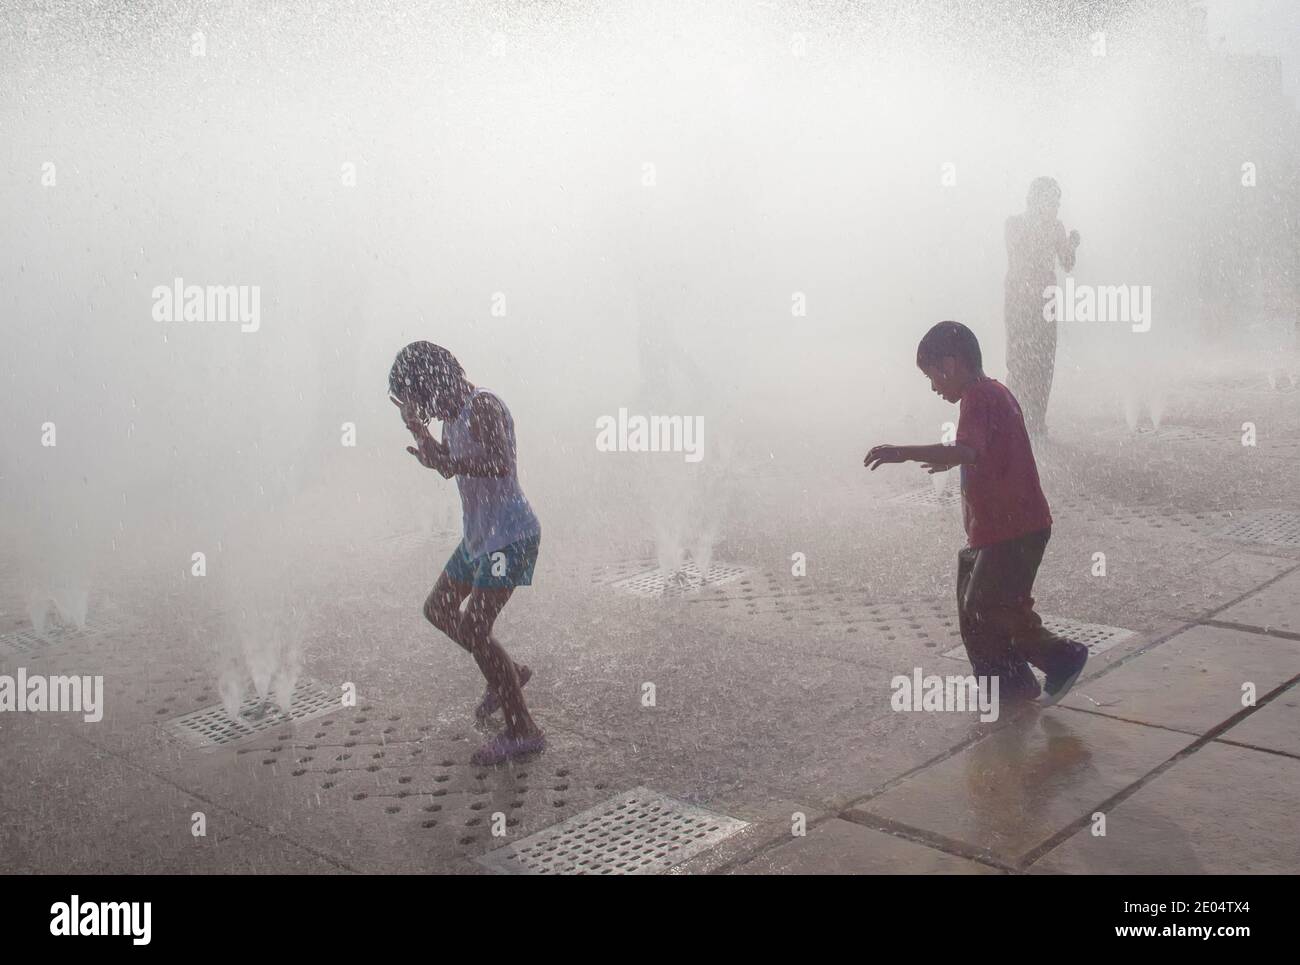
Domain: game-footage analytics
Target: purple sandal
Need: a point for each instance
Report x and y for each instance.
(503, 747)
(491, 703)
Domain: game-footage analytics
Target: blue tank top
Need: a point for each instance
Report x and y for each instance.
(495, 511)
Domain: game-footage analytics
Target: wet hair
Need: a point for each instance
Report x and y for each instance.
(950, 339)
(1040, 189)
(421, 371)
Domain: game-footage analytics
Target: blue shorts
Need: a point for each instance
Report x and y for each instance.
(498, 569)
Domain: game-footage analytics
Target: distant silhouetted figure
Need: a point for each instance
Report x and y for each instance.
(1035, 241)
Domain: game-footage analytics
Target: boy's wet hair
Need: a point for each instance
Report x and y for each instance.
(422, 370)
(950, 339)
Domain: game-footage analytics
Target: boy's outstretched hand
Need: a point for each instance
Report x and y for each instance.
(935, 458)
(879, 455)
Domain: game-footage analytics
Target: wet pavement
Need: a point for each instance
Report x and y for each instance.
(1178, 751)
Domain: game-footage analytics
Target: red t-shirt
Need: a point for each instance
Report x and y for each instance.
(1001, 495)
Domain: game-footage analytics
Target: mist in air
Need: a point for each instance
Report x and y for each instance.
(745, 212)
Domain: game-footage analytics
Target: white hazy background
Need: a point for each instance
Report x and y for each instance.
(502, 148)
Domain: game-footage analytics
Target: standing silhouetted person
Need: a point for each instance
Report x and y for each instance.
(1035, 241)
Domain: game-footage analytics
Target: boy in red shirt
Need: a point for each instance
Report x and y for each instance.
(1007, 521)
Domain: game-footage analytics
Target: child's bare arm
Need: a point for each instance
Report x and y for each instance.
(431, 453)
(935, 455)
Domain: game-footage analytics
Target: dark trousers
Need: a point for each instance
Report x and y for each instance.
(995, 608)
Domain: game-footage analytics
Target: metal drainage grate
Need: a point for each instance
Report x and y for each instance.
(29, 641)
(684, 580)
(1276, 528)
(1096, 636)
(212, 726)
(605, 574)
(639, 832)
(951, 496)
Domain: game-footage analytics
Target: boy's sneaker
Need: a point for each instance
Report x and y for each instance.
(1065, 672)
(503, 747)
(1018, 683)
(491, 703)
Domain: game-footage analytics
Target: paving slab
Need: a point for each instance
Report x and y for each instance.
(859, 755)
(839, 847)
(1149, 572)
(1274, 607)
(258, 852)
(1274, 727)
(1010, 792)
(1193, 681)
(1221, 810)
(1200, 589)
(141, 825)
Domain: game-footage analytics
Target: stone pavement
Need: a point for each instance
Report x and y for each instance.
(771, 691)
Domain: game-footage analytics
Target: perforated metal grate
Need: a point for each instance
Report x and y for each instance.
(24, 642)
(1276, 528)
(28, 641)
(686, 579)
(1096, 636)
(638, 832)
(951, 496)
(212, 726)
(604, 574)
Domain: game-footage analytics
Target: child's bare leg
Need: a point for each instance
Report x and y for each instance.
(442, 609)
(501, 673)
